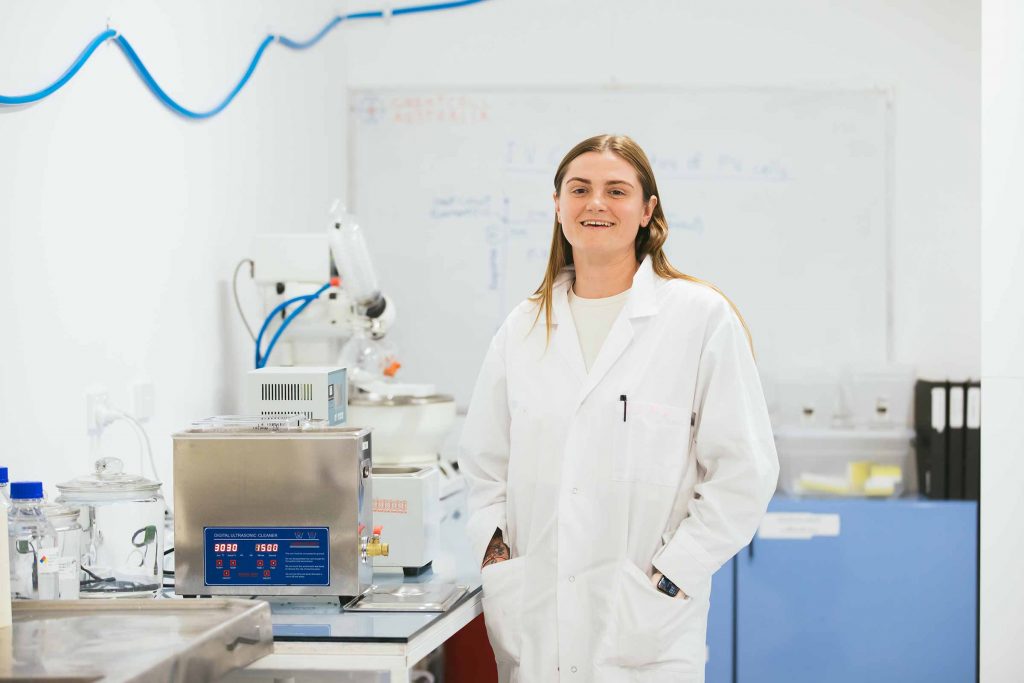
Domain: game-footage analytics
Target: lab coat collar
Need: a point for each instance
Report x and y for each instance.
(642, 299)
(641, 303)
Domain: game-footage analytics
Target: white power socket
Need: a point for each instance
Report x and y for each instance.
(142, 400)
(97, 410)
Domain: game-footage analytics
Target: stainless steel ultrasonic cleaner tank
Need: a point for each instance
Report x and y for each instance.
(277, 512)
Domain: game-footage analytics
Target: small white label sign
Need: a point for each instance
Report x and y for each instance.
(798, 525)
(956, 407)
(939, 409)
(974, 408)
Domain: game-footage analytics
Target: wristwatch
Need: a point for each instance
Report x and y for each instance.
(667, 587)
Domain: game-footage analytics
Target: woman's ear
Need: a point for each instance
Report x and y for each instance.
(649, 211)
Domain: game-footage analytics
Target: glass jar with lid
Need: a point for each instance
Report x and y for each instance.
(122, 520)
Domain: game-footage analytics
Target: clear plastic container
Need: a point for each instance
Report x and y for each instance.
(69, 548)
(122, 520)
(864, 462)
(880, 397)
(32, 545)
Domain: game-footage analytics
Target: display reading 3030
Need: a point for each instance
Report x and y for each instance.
(233, 547)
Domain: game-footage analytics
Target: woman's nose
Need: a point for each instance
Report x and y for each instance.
(595, 203)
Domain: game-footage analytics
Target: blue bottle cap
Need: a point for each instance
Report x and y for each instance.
(3, 475)
(26, 489)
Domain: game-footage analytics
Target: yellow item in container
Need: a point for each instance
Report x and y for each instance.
(883, 480)
(894, 472)
(857, 473)
(816, 483)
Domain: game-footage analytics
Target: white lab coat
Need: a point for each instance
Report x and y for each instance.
(588, 501)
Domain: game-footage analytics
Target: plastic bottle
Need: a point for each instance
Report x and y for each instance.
(5, 560)
(33, 545)
(5, 492)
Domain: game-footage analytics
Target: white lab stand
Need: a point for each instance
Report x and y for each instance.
(319, 641)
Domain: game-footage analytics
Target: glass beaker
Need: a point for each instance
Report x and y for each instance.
(69, 548)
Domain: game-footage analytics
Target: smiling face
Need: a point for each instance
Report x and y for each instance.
(601, 206)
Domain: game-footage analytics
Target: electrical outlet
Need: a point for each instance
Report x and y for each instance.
(97, 406)
(142, 400)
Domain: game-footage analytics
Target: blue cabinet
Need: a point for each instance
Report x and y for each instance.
(890, 597)
(720, 625)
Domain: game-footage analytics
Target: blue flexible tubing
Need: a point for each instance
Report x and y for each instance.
(306, 301)
(163, 97)
(71, 71)
(144, 74)
(297, 45)
(269, 319)
(415, 9)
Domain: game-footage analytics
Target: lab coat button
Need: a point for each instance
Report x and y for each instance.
(572, 579)
(575, 490)
(573, 669)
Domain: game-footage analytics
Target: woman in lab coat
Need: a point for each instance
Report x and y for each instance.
(617, 447)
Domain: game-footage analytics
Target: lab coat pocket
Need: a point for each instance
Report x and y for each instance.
(502, 602)
(651, 444)
(650, 629)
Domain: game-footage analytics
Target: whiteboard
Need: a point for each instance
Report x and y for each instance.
(778, 196)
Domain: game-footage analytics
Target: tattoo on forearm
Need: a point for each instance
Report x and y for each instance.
(497, 551)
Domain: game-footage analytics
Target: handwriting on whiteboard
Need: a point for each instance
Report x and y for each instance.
(456, 206)
(422, 109)
(695, 165)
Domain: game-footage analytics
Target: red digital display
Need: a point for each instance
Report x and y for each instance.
(225, 547)
(266, 547)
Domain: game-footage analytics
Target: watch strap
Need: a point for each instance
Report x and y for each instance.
(667, 587)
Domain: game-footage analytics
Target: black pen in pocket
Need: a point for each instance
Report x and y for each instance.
(623, 399)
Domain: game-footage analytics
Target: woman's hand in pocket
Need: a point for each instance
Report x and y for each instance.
(497, 551)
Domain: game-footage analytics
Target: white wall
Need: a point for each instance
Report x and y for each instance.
(1002, 445)
(121, 222)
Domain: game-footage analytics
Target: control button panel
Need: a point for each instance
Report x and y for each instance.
(266, 556)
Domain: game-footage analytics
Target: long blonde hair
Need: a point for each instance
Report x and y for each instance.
(649, 239)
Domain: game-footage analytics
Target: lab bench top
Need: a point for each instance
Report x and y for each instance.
(325, 620)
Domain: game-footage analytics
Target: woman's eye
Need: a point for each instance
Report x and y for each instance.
(577, 190)
(618, 193)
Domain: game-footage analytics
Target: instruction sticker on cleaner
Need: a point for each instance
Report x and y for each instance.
(799, 526)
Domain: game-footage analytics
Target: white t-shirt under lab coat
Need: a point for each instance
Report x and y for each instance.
(594, 318)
